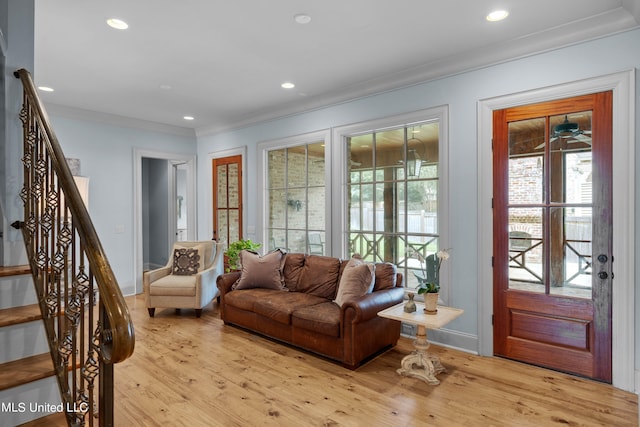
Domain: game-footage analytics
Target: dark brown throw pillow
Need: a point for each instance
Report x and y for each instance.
(357, 280)
(261, 271)
(185, 262)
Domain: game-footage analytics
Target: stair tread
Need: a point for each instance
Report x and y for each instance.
(14, 270)
(17, 315)
(56, 419)
(23, 371)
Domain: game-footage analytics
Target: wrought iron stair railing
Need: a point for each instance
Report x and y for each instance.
(86, 319)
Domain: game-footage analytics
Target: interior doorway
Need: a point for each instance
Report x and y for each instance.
(227, 199)
(164, 207)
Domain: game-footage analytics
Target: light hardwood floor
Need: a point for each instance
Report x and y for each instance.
(198, 372)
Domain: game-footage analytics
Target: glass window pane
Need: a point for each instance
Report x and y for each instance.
(526, 249)
(315, 243)
(277, 239)
(316, 208)
(296, 208)
(429, 135)
(316, 164)
(277, 208)
(360, 154)
(276, 160)
(297, 166)
(389, 150)
(297, 241)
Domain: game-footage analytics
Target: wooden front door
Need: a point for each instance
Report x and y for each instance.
(552, 234)
(227, 199)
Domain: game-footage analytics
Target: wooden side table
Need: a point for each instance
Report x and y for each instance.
(421, 364)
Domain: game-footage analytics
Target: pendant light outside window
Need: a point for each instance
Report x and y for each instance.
(414, 163)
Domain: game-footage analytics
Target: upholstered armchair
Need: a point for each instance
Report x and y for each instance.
(189, 278)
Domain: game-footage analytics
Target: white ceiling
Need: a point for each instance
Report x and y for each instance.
(224, 60)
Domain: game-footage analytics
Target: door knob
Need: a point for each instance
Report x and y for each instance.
(602, 258)
(603, 275)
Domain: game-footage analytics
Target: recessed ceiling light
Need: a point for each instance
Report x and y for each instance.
(45, 88)
(165, 87)
(287, 85)
(302, 18)
(188, 118)
(118, 24)
(497, 15)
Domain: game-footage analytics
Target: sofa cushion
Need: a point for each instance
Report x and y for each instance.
(245, 299)
(319, 276)
(357, 280)
(385, 276)
(293, 265)
(321, 318)
(186, 262)
(261, 271)
(278, 306)
(174, 285)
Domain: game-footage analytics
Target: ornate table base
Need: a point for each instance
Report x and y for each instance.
(420, 364)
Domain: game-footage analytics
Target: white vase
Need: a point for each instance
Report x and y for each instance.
(431, 303)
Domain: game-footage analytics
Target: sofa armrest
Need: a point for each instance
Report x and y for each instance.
(371, 304)
(225, 281)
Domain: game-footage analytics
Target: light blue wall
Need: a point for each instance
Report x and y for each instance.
(462, 93)
(106, 153)
(17, 25)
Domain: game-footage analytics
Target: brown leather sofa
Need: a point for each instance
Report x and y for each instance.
(305, 314)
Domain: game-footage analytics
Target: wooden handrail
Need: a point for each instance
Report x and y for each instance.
(59, 235)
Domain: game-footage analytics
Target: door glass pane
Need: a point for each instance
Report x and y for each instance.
(222, 186)
(570, 157)
(575, 266)
(234, 225)
(234, 186)
(526, 265)
(223, 225)
(526, 149)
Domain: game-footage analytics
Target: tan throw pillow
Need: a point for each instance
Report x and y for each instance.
(261, 271)
(185, 262)
(357, 280)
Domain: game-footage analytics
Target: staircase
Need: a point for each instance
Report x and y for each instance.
(26, 370)
(64, 323)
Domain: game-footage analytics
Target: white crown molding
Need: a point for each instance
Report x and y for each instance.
(608, 23)
(116, 120)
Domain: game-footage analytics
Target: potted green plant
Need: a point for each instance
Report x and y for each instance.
(233, 253)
